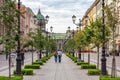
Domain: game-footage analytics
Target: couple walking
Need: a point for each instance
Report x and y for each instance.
(58, 55)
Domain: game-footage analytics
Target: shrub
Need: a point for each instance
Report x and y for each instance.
(108, 78)
(75, 60)
(25, 72)
(50, 55)
(30, 66)
(12, 78)
(38, 62)
(44, 59)
(85, 66)
(80, 63)
(94, 72)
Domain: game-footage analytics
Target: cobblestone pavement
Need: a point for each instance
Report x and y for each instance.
(4, 71)
(66, 70)
(93, 60)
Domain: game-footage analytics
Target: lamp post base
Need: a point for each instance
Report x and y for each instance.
(18, 67)
(103, 66)
(79, 57)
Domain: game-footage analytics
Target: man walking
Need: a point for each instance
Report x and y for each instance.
(59, 55)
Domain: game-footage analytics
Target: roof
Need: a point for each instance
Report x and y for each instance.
(40, 16)
(59, 35)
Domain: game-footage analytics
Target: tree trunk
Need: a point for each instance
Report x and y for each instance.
(98, 57)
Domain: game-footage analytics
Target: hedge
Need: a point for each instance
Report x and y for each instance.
(80, 63)
(26, 72)
(38, 62)
(108, 78)
(32, 66)
(90, 66)
(12, 78)
(94, 72)
(44, 59)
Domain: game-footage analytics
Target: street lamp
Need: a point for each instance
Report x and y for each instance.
(86, 21)
(42, 22)
(77, 28)
(46, 19)
(73, 33)
(47, 42)
(79, 24)
(18, 59)
(69, 28)
(69, 36)
(103, 59)
(51, 29)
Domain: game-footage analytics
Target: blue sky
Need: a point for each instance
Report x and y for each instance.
(60, 11)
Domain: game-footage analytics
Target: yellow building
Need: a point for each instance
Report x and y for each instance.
(90, 14)
(95, 11)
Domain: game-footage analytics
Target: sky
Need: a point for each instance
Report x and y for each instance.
(60, 12)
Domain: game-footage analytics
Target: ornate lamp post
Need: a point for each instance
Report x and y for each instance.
(51, 29)
(69, 32)
(103, 59)
(73, 33)
(79, 24)
(18, 59)
(47, 36)
(86, 20)
(46, 21)
(77, 28)
(69, 36)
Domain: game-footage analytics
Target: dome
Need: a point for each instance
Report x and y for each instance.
(40, 16)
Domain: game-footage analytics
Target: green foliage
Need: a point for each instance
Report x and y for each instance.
(8, 15)
(70, 45)
(12, 78)
(38, 62)
(39, 40)
(72, 58)
(32, 66)
(51, 45)
(108, 78)
(86, 66)
(44, 59)
(26, 71)
(112, 15)
(80, 63)
(94, 72)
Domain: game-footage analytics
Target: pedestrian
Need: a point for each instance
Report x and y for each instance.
(22, 57)
(59, 55)
(13, 57)
(6, 55)
(55, 56)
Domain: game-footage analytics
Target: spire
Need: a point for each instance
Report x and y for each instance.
(39, 12)
(39, 15)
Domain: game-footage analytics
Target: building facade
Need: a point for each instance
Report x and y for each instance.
(26, 22)
(95, 11)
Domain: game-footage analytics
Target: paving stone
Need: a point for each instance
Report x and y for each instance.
(66, 70)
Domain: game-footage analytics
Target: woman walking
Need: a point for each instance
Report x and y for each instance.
(55, 56)
(59, 55)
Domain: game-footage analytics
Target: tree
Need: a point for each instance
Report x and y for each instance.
(112, 20)
(70, 45)
(8, 14)
(96, 38)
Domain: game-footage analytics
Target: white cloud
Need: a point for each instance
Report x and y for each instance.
(60, 11)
